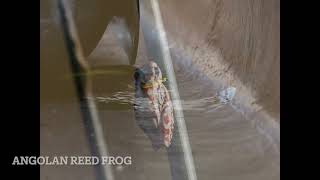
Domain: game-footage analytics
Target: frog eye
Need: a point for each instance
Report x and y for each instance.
(156, 70)
(139, 76)
(136, 75)
(158, 73)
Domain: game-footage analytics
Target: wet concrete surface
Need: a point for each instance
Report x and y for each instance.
(234, 42)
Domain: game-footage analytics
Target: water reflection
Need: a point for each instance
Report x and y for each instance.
(205, 104)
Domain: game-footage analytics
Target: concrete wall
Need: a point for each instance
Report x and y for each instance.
(235, 42)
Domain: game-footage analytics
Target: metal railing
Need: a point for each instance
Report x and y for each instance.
(179, 153)
(83, 86)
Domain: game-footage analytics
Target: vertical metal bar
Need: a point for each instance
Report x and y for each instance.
(179, 153)
(89, 113)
